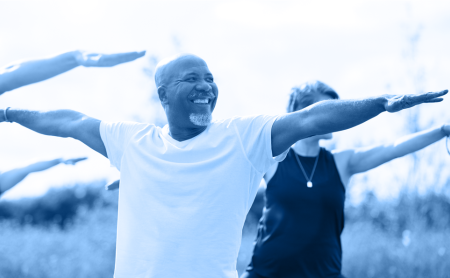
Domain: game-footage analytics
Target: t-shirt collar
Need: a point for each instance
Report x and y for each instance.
(166, 134)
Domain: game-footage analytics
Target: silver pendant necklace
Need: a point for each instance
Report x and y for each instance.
(309, 180)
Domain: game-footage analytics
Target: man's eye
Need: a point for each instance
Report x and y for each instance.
(211, 80)
(191, 79)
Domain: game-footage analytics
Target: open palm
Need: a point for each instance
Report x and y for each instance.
(87, 59)
(397, 103)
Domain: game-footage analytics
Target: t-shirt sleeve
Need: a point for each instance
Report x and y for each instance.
(116, 136)
(255, 133)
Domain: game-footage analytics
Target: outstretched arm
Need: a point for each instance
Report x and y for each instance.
(351, 162)
(27, 72)
(336, 115)
(13, 177)
(60, 123)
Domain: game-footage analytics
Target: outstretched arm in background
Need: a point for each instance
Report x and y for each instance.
(13, 177)
(336, 115)
(350, 162)
(60, 123)
(27, 72)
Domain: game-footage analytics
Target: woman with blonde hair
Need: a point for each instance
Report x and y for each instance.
(303, 218)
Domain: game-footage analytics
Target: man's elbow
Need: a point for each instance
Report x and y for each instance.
(67, 129)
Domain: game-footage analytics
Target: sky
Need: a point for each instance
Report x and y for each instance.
(257, 50)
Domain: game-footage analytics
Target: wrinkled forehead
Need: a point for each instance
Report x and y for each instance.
(186, 65)
(175, 68)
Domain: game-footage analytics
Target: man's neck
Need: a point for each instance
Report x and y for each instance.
(307, 147)
(182, 134)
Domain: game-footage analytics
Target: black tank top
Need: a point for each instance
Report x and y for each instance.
(299, 232)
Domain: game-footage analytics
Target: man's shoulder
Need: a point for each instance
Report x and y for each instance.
(245, 118)
(127, 124)
(125, 127)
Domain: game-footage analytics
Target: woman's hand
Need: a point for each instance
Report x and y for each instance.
(73, 161)
(88, 59)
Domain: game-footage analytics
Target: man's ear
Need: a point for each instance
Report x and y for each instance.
(162, 93)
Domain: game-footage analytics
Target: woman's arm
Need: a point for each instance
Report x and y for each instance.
(359, 160)
(28, 72)
(13, 177)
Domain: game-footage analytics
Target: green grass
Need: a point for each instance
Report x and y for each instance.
(85, 249)
(371, 252)
(373, 246)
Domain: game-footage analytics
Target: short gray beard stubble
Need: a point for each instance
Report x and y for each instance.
(200, 119)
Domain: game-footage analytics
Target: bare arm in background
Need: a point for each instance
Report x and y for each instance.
(10, 178)
(60, 123)
(24, 73)
(336, 115)
(353, 161)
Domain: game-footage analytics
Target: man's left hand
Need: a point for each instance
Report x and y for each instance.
(397, 103)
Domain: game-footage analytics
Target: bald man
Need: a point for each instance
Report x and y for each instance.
(186, 188)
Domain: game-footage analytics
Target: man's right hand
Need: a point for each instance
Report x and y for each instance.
(395, 103)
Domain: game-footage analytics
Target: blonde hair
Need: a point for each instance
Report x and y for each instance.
(307, 93)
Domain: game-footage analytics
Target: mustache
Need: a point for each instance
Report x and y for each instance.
(197, 94)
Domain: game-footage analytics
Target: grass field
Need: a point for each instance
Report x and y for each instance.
(85, 247)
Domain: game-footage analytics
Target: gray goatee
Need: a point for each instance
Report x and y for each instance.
(200, 119)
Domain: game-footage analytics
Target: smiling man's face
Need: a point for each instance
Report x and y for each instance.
(187, 91)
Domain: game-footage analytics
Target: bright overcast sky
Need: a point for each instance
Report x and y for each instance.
(257, 50)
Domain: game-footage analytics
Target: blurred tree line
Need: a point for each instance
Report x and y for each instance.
(59, 206)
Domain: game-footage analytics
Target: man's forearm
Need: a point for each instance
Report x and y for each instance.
(54, 123)
(321, 118)
(28, 72)
(336, 115)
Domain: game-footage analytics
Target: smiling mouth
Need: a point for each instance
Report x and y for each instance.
(201, 101)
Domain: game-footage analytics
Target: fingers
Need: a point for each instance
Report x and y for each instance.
(75, 160)
(109, 60)
(78, 159)
(428, 97)
(431, 95)
(125, 57)
(437, 94)
(434, 100)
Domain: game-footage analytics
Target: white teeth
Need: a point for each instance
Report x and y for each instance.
(201, 101)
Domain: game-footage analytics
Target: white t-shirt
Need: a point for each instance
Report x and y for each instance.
(182, 205)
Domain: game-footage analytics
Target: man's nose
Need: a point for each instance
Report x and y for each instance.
(203, 87)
